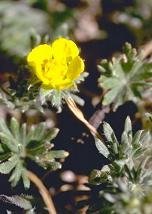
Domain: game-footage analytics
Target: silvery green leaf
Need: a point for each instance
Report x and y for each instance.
(25, 178)
(17, 200)
(11, 143)
(128, 125)
(111, 138)
(23, 133)
(7, 166)
(128, 128)
(108, 132)
(145, 137)
(4, 128)
(111, 96)
(15, 128)
(38, 132)
(101, 147)
(43, 94)
(56, 99)
(125, 140)
(57, 154)
(111, 82)
(137, 136)
(16, 174)
(77, 99)
(51, 134)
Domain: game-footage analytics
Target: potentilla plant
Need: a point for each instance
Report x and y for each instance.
(59, 68)
(54, 72)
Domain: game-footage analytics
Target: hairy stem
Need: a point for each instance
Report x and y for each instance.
(98, 116)
(43, 191)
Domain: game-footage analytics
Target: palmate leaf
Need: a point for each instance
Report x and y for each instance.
(125, 78)
(13, 141)
(19, 142)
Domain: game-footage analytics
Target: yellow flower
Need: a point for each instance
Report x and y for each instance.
(57, 66)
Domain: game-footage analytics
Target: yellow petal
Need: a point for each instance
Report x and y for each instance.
(64, 48)
(76, 67)
(40, 75)
(60, 85)
(57, 66)
(39, 54)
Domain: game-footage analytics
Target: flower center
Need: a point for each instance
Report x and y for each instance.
(54, 69)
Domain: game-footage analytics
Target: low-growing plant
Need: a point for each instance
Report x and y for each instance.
(50, 78)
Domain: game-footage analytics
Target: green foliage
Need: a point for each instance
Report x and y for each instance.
(101, 147)
(125, 78)
(62, 22)
(32, 22)
(126, 180)
(41, 4)
(22, 201)
(141, 12)
(25, 93)
(58, 98)
(20, 23)
(149, 115)
(19, 142)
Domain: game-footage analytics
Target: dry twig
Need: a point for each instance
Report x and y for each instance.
(78, 113)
